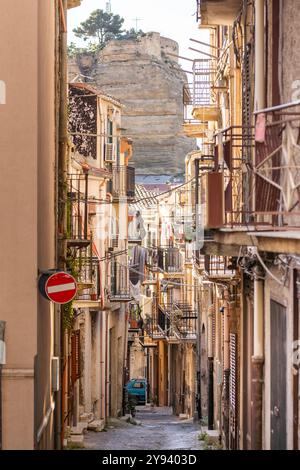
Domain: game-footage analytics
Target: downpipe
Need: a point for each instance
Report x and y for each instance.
(2, 362)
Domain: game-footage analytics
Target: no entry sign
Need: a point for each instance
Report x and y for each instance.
(59, 287)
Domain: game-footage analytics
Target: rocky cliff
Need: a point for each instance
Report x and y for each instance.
(149, 83)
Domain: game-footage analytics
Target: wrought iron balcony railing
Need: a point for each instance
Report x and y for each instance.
(135, 320)
(169, 259)
(151, 325)
(198, 10)
(118, 282)
(218, 267)
(122, 184)
(77, 211)
(88, 277)
(260, 171)
(200, 91)
(177, 321)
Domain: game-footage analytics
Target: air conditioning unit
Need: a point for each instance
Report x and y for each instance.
(109, 153)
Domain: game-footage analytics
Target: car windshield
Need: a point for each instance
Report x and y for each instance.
(138, 385)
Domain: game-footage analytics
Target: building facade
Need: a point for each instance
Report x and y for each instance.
(244, 109)
(68, 211)
(30, 118)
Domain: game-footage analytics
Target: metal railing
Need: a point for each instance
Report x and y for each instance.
(198, 10)
(77, 210)
(266, 195)
(169, 259)
(134, 317)
(88, 278)
(217, 266)
(177, 321)
(200, 92)
(123, 182)
(151, 325)
(118, 283)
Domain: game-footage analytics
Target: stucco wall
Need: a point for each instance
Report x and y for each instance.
(27, 150)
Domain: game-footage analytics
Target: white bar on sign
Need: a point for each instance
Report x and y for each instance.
(61, 288)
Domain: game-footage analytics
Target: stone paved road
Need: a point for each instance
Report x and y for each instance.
(159, 430)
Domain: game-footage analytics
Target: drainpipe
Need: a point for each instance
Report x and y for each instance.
(102, 373)
(2, 362)
(258, 356)
(257, 361)
(210, 364)
(169, 376)
(198, 414)
(107, 379)
(62, 168)
(226, 364)
(260, 85)
(197, 169)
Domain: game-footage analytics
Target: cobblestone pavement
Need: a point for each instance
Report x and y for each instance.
(157, 429)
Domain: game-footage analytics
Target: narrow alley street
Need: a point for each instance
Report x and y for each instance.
(157, 429)
(150, 208)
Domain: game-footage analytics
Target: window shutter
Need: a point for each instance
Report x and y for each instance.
(214, 331)
(233, 392)
(75, 356)
(233, 372)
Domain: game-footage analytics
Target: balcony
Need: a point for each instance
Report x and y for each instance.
(221, 194)
(77, 208)
(118, 283)
(88, 277)
(218, 12)
(266, 196)
(200, 94)
(217, 267)
(198, 11)
(152, 259)
(194, 128)
(122, 184)
(73, 3)
(177, 321)
(135, 321)
(151, 325)
(169, 260)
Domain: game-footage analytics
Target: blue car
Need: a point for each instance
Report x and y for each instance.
(136, 388)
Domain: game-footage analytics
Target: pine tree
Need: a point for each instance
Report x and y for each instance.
(101, 25)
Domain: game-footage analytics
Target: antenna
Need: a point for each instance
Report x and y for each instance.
(136, 22)
(108, 6)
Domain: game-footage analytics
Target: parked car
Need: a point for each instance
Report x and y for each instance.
(136, 389)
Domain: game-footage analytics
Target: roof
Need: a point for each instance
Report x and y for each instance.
(95, 91)
(145, 199)
(92, 170)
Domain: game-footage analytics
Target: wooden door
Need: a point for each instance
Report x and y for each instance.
(278, 376)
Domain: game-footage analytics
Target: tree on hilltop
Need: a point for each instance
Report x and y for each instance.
(101, 25)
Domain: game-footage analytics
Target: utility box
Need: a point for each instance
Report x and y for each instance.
(214, 200)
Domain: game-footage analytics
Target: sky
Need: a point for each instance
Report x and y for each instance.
(175, 19)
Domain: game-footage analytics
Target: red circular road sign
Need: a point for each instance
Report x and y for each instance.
(61, 288)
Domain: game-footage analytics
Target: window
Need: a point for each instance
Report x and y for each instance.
(138, 385)
(109, 131)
